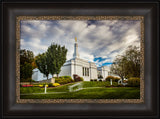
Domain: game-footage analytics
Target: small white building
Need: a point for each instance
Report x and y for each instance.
(76, 65)
(103, 71)
(38, 76)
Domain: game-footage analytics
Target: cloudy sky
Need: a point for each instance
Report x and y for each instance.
(98, 41)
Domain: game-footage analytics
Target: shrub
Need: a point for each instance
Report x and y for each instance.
(63, 79)
(109, 77)
(81, 79)
(114, 84)
(33, 80)
(120, 85)
(134, 82)
(95, 79)
(43, 84)
(77, 78)
(60, 80)
(68, 80)
(50, 84)
(35, 85)
(56, 84)
(40, 85)
(115, 79)
(69, 77)
(100, 76)
(100, 80)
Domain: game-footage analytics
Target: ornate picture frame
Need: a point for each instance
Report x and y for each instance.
(146, 106)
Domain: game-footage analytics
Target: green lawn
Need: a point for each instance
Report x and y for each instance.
(97, 84)
(88, 93)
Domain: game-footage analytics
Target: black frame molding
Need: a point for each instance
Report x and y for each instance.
(148, 9)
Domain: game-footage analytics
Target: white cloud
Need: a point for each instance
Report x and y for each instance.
(34, 45)
(87, 56)
(104, 39)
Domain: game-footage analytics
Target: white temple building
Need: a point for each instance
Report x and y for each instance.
(76, 65)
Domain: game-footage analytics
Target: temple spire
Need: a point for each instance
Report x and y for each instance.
(76, 54)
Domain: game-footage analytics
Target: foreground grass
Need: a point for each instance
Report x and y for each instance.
(91, 93)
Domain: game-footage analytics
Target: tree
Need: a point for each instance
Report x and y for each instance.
(133, 56)
(51, 55)
(56, 56)
(127, 65)
(34, 65)
(26, 70)
(42, 64)
(26, 58)
(118, 67)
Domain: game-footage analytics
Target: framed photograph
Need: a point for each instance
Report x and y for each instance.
(111, 64)
(80, 59)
